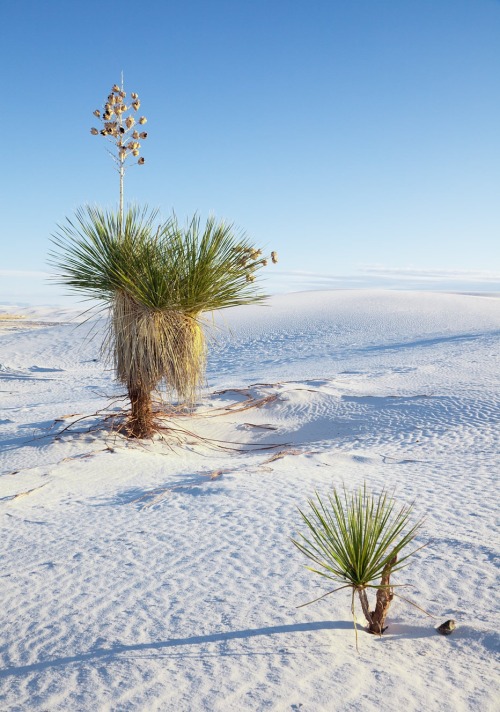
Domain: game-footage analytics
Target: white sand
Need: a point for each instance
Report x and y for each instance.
(141, 577)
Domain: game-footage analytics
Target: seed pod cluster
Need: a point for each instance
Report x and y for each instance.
(117, 121)
(248, 258)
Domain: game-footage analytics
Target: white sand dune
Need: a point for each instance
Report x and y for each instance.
(161, 576)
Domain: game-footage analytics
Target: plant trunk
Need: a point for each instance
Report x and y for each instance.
(364, 605)
(140, 423)
(384, 599)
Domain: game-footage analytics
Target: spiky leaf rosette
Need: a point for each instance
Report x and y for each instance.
(190, 268)
(353, 538)
(158, 281)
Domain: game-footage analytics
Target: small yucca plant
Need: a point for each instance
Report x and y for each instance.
(357, 540)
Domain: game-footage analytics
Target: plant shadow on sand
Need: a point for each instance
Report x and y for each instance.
(118, 650)
(396, 630)
(489, 640)
(148, 498)
(39, 435)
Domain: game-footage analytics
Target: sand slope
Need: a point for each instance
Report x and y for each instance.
(162, 577)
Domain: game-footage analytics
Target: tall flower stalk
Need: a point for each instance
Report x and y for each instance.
(120, 120)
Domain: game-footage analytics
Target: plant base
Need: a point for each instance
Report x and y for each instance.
(140, 423)
(376, 618)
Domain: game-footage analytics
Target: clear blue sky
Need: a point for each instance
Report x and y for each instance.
(359, 138)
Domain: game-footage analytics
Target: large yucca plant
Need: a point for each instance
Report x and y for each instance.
(158, 280)
(357, 540)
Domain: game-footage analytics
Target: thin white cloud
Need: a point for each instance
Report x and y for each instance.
(23, 274)
(431, 275)
(312, 275)
(380, 277)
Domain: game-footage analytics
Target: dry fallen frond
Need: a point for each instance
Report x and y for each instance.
(283, 453)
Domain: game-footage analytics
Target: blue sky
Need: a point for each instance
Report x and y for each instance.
(358, 138)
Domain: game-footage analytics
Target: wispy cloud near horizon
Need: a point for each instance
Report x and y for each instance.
(430, 275)
(23, 274)
(380, 277)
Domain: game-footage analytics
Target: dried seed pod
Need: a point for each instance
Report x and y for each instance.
(106, 116)
(123, 94)
(250, 278)
(103, 132)
(263, 263)
(133, 95)
(97, 113)
(135, 152)
(130, 145)
(116, 88)
(94, 132)
(136, 134)
(274, 257)
(121, 130)
(143, 134)
(130, 121)
(141, 161)
(136, 105)
(110, 98)
(142, 120)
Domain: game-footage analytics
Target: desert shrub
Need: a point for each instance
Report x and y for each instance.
(158, 280)
(358, 540)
